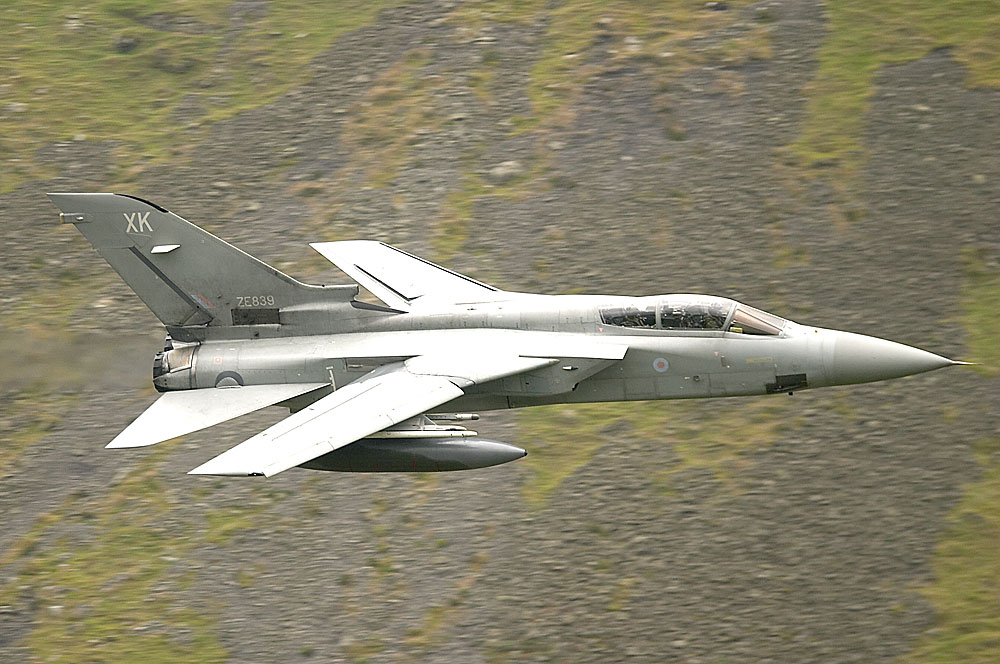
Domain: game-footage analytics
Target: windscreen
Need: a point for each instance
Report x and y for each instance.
(747, 320)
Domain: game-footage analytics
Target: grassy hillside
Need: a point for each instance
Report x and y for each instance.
(549, 145)
(147, 76)
(866, 36)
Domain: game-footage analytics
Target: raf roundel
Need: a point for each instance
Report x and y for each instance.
(660, 365)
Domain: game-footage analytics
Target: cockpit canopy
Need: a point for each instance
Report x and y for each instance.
(692, 313)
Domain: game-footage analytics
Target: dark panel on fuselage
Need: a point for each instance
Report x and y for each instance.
(255, 317)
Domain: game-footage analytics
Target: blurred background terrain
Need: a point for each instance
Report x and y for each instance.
(835, 163)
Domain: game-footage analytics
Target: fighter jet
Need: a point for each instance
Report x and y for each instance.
(382, 388)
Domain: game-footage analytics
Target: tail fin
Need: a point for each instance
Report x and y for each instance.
(185, 275)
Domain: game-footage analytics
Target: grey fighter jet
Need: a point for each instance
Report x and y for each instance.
(384, 387)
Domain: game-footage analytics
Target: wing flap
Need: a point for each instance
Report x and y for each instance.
(378, 400)
(178, 413)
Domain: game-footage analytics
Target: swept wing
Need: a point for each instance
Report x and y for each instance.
(178, 413)
(400, 279)
(386, 396)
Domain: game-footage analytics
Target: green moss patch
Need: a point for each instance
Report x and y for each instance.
(981, 311)
(440, 617)
(122, 71)
(583, 39)
(868, 34)
(28, 416)
(719, 444)
(966, 588)
(100, 581)
(562, 439)
(653, 34)
(390, 118)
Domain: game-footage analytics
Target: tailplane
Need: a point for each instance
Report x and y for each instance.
(185, 275)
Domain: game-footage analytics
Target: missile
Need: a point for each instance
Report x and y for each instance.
(452, 417)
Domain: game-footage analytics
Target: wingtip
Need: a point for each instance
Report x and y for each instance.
(138, 437)
(115, 445)
(56, 198)
(213, 468)
(130, 439)
(224, 473)
(125, 440)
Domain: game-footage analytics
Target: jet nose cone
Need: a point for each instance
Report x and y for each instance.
(857, 358)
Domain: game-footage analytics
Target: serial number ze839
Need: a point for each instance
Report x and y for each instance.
(254, 300)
